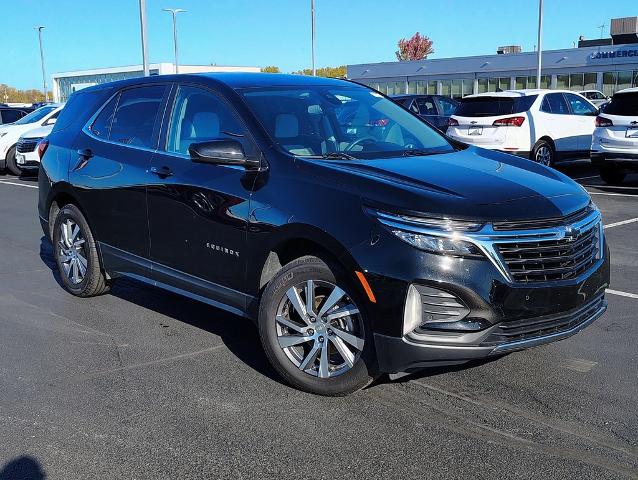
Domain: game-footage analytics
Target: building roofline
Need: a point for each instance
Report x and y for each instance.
(134, 68)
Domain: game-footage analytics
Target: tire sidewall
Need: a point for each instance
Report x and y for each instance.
(11, 163)
(72, 212)
(298, 271)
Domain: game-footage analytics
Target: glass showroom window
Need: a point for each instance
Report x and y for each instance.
(590, 81)
(520, 83)
(576, 82)
(482, 85)
(624, 80)
(562, 82)
(503, 83)
(457, 89)
(545, 81)
(421, 87)
(446, 88)
(432, 87)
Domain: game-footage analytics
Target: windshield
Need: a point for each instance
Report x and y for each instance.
(341, 122)
(493, 106)
(36, 116)
(624, 104)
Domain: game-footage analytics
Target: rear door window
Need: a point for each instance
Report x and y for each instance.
(426, 106)
(555, 103)
(448, 107)
(494, 106)
(136, 119)
(624, 104)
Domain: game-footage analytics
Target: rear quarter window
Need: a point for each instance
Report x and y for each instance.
(80, 106)
(624, 104)
(494, 106)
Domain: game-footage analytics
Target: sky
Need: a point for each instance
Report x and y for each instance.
(84, 34)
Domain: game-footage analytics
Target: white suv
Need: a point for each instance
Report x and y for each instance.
(614, 147)
(543, 125)
(27, 149)
(10, 133)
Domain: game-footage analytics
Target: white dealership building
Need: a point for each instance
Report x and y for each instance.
(64, 84)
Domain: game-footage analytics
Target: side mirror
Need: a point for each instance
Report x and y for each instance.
(50, 121)
(221, 152)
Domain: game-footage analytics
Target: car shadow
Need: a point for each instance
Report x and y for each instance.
(238, 334)
(22, 468)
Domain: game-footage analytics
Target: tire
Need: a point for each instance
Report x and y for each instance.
(12, 165)
(301, 363)
(611, 174)
(78, 262)
(544, 153)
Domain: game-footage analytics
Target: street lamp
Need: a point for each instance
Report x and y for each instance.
(174, 12)
(44, 76)
(144, 40)
(312, 13)
(539, 51)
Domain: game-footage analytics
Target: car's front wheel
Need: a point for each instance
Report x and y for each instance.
(544, 153)
(12, 164)
(313, 330)
(76, 254)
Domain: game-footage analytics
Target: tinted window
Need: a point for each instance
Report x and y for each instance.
(199, 116)
(625, 104)
(449, 107)
(426, 106)
(579, 106)
(102, 124)
(79, 108)
(137, 115)
(555, 103)
(37, 115)
(10, 116)
(493, 106)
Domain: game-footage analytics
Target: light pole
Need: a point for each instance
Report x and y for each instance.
(144, 42)
(539, 50)
(312, 12)
(174, 12)
(44, 75)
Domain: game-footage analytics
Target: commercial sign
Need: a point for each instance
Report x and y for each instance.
(614, 54)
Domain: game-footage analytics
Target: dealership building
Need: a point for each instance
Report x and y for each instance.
(64, 84)
(607, 65)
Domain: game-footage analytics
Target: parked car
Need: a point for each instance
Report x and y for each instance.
(27, 148)
(355, 254)
(596, 97)
(614, 148)
(436, 109)
(9, 134)
(546, 126)
(11, 114)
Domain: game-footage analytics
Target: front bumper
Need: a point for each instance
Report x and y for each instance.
(407, 354)
(28, 161)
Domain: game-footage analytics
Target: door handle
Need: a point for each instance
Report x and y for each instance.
(85, 154)
(161, 172)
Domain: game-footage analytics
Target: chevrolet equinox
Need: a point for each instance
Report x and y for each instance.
(359, 239)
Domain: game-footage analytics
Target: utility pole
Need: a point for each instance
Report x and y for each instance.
(602, 27)
(312, 11)
(539, 51)
(174, 12)
(44, 75)
(144, 41)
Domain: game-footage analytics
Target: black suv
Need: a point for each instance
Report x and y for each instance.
(436, 109)
(12, 114)
(372, 244)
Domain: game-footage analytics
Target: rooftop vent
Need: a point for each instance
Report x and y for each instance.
(624, 30)
(508, 49)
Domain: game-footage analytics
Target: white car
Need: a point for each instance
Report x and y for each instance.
(614, 148)
(596, 97)
(27, 155)
(542, 125)
(9, 134)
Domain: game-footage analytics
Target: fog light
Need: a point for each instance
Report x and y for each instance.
(413, 312)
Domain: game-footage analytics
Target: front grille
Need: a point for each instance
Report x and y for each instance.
(544, 222)
(26, 145)
(551, 260)
(542, 326)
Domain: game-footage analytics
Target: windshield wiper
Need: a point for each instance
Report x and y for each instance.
(420, 153)
(331, 156)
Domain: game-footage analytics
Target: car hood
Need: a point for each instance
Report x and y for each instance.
(38, 132)
(472, 183)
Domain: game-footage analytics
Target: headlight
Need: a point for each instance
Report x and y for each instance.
(440, 245)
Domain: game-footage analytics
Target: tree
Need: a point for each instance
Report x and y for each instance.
(271, 69)
(415, 48)
(13, 95)
(331, 72)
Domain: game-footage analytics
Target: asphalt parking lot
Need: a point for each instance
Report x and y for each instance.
(141, 383)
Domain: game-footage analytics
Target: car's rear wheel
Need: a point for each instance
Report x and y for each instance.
(611, 174)
(12, 164)
(313, 330)
(544, 153)
(76, 254)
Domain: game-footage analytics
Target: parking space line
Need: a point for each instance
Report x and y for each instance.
(18, 184)
(614, 194)
(614, 187)
(587, 178)
(624, 222)
(622, 294)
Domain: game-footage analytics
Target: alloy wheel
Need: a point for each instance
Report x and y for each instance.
(72, 251)
(319, 328)
(544, 155)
